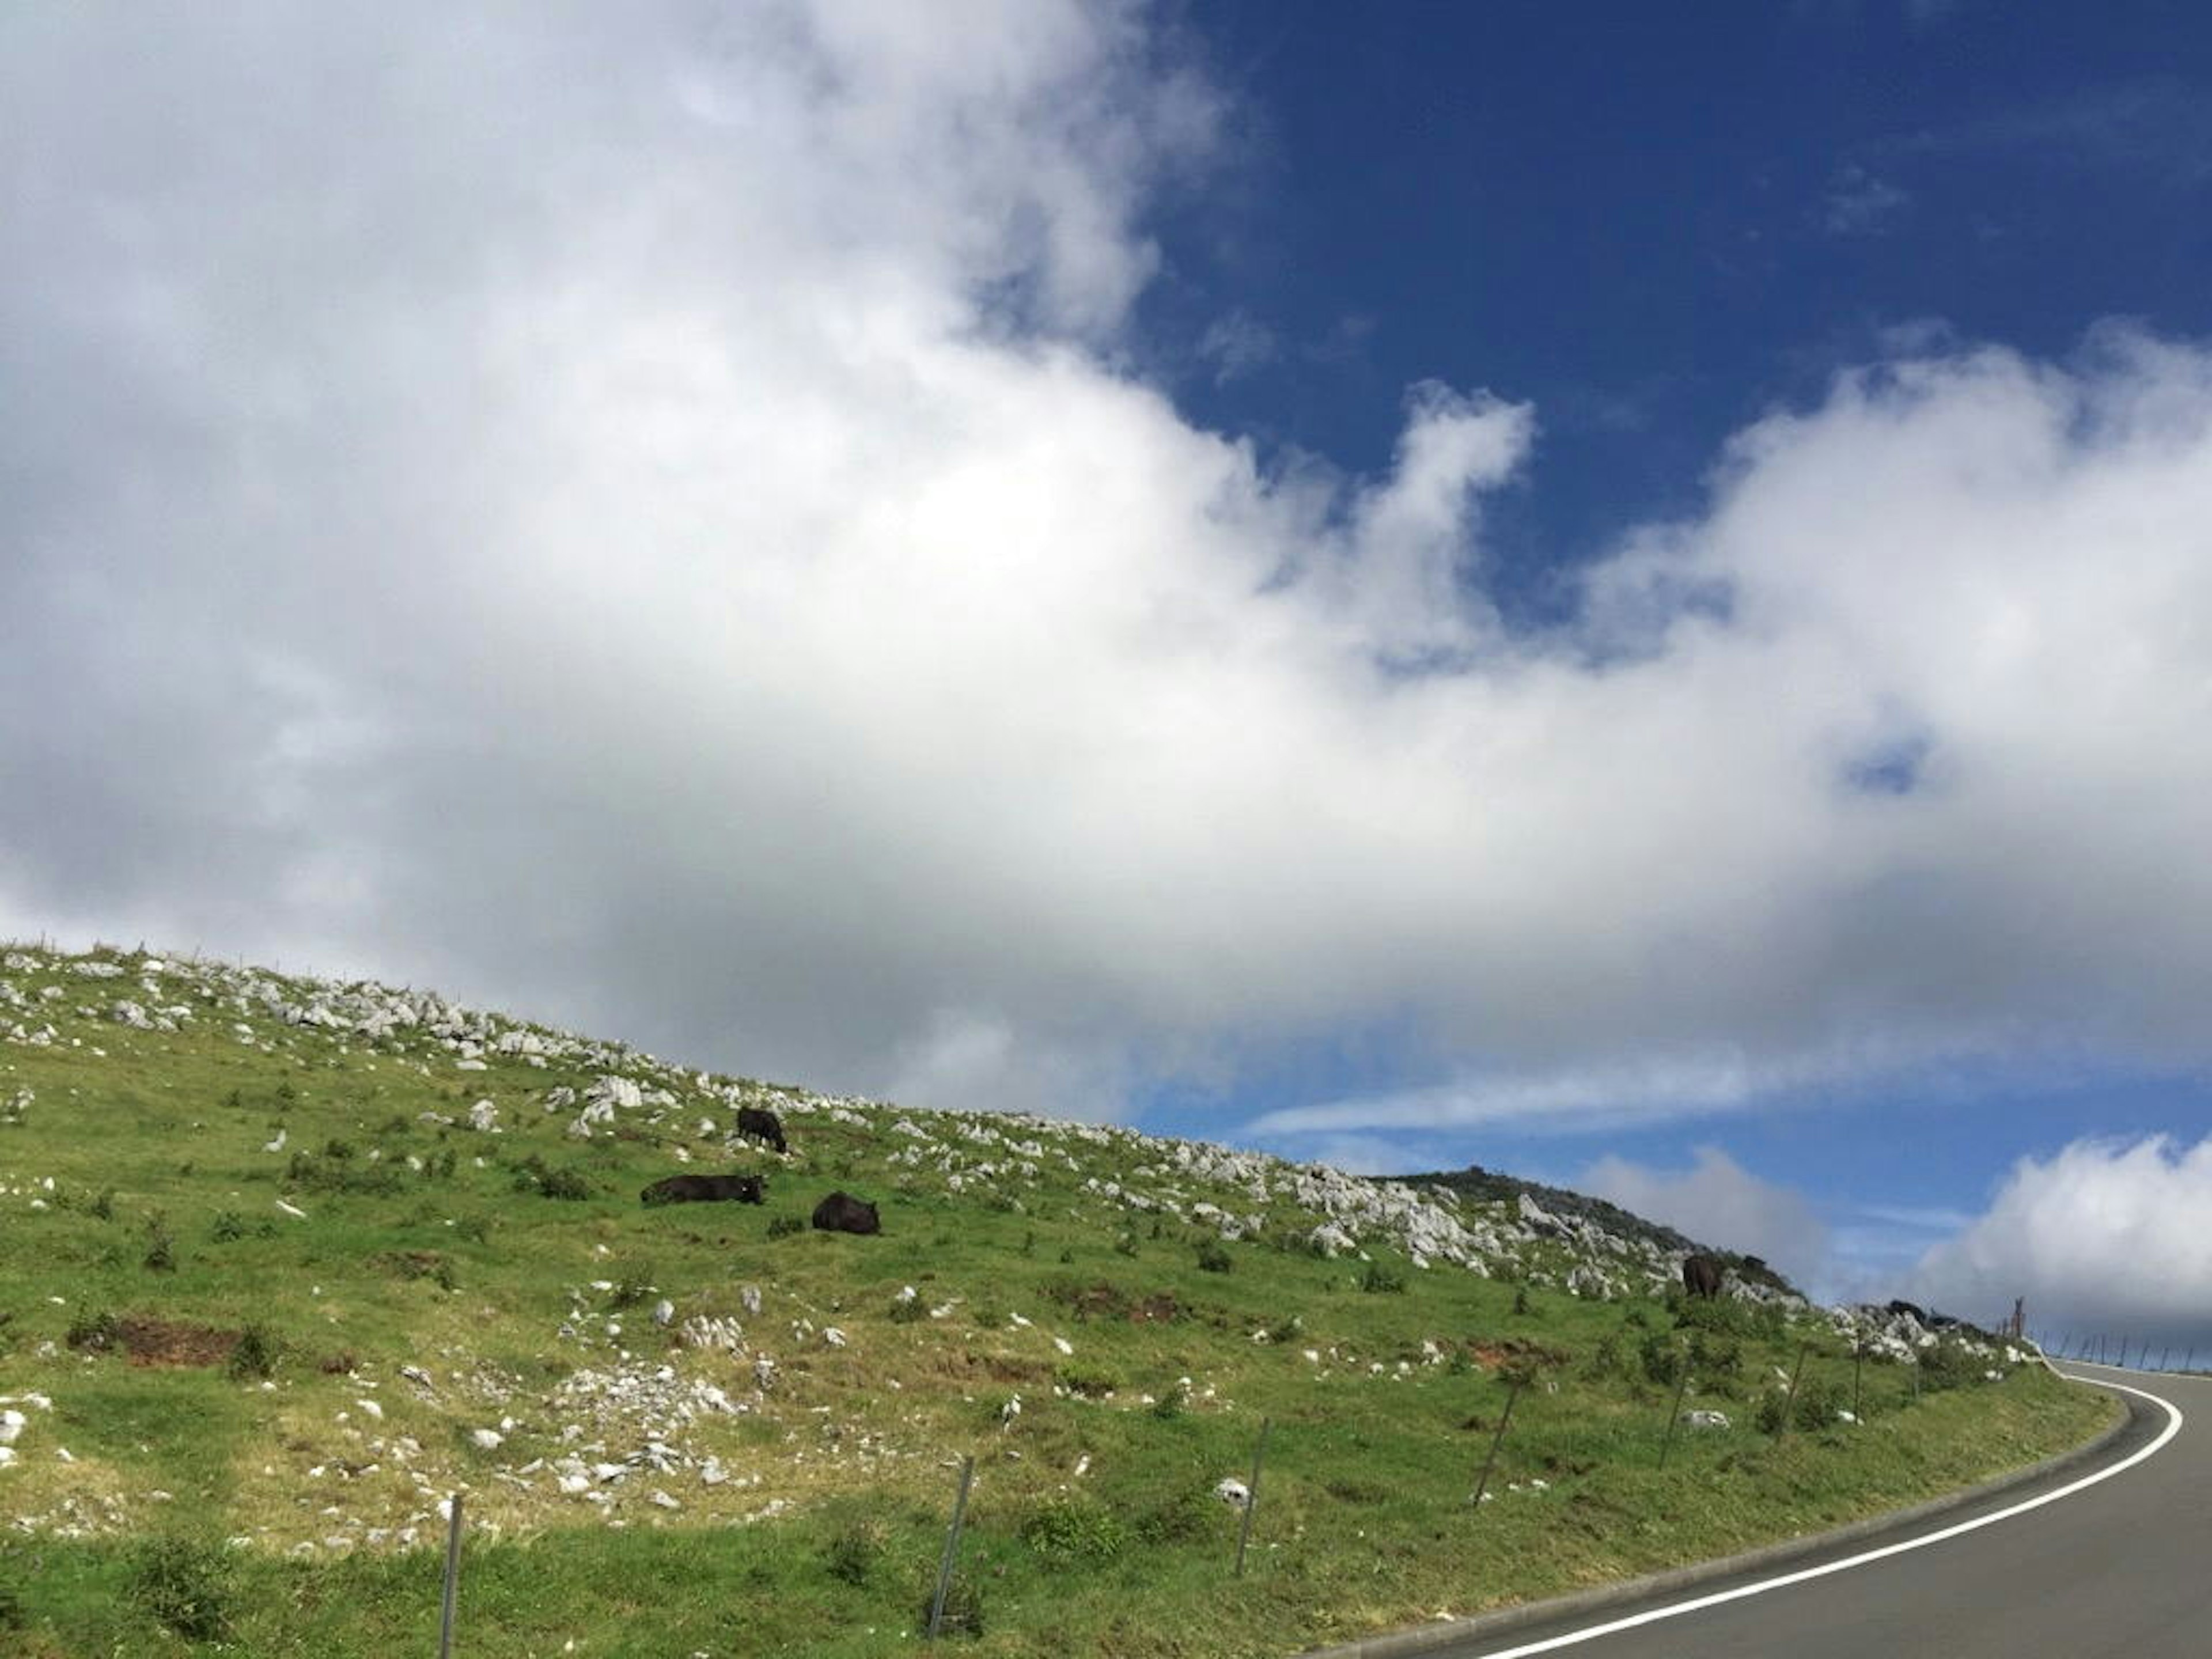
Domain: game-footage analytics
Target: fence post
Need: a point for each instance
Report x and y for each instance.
(1681, 1387)
(2189, 1363)
(2122, 1363)
(1858, 1368)
(453, 1580)
(1252, 1494)
(952, 1548)
(1482, 1484)
(1789, 1400)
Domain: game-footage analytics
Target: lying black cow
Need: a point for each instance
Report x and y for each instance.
(762, 1125)
(705, 1188)
(841, 1212)
(1702, 1275)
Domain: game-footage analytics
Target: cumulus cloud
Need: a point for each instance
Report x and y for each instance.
(2106, 1238)
(642, 516)
(1718, 1201)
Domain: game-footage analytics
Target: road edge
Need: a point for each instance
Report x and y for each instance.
(1453, 1632)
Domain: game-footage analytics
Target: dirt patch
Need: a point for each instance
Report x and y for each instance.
(150, 1341)
(1514, 1351)
(1103, 1300)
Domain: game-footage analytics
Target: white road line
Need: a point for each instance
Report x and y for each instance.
(1575, 1638)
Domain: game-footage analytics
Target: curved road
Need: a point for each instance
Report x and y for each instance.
(2122, 1567)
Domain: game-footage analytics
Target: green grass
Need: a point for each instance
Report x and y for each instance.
(428, 1245)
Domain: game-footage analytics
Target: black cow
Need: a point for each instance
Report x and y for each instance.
(704, 1188)
(761, 1124)
(1701, 1275)
(841, 1212)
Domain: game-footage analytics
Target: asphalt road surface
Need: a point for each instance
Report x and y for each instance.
(2122, 1567)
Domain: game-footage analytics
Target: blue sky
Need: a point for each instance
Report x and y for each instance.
(1615, 591)
(1655, 224)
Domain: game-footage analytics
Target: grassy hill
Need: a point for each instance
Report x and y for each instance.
(289, 1263)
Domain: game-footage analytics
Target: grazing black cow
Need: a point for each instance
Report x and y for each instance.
(704, 1188)
(841, 1212)
(762, 1125)
(1701, 1275)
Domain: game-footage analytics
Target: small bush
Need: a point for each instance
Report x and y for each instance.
(907, 1311)
(853, 1552)
(1377, 1279)
(1521, 1299)
(93, 1333)
(184, 1585)
(228, 1228)
(1661, 1359)
(534, 1175)
(1075, 1529)
(1189, 1515)
(1213, 1256)
(1171, 1403)
(1091, 1385)
(964, 1608)
(1286, 1330)
(632, 1288)
(1605, 1359)
(161, 1248)
(104, 1206)
(782, 1226)
(256, 1354)
(1126, 1244)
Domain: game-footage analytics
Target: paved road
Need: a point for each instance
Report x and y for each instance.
(2121, 1568)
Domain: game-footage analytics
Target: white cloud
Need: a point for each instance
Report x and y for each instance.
(2106, 1237)
(640, 516)
(1718, 1201)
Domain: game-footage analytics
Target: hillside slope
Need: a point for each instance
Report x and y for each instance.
(290, 1262)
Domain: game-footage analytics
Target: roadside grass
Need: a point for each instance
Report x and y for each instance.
(1142, 1363)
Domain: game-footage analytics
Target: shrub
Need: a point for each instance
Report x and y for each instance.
(227, 1227)
(1661, 1359)
(256, 1354)
(1377, 1279)
(907, 1311)
(184, 1585)
(1213, 1256)
(1605, 1359)
(1075, 1529)
(853, 1551)
(632, 1288)
(1711, 1357)
(782, 1226)
(1819, 1399)
(1521, 1299)
(1126, 1244)
(1091, 1385)
(534, 1175)
(161, 1248)
(964, 1608)
(1189, 1514)
(104, 1206)
(1171, 1404)
(94, 1332)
